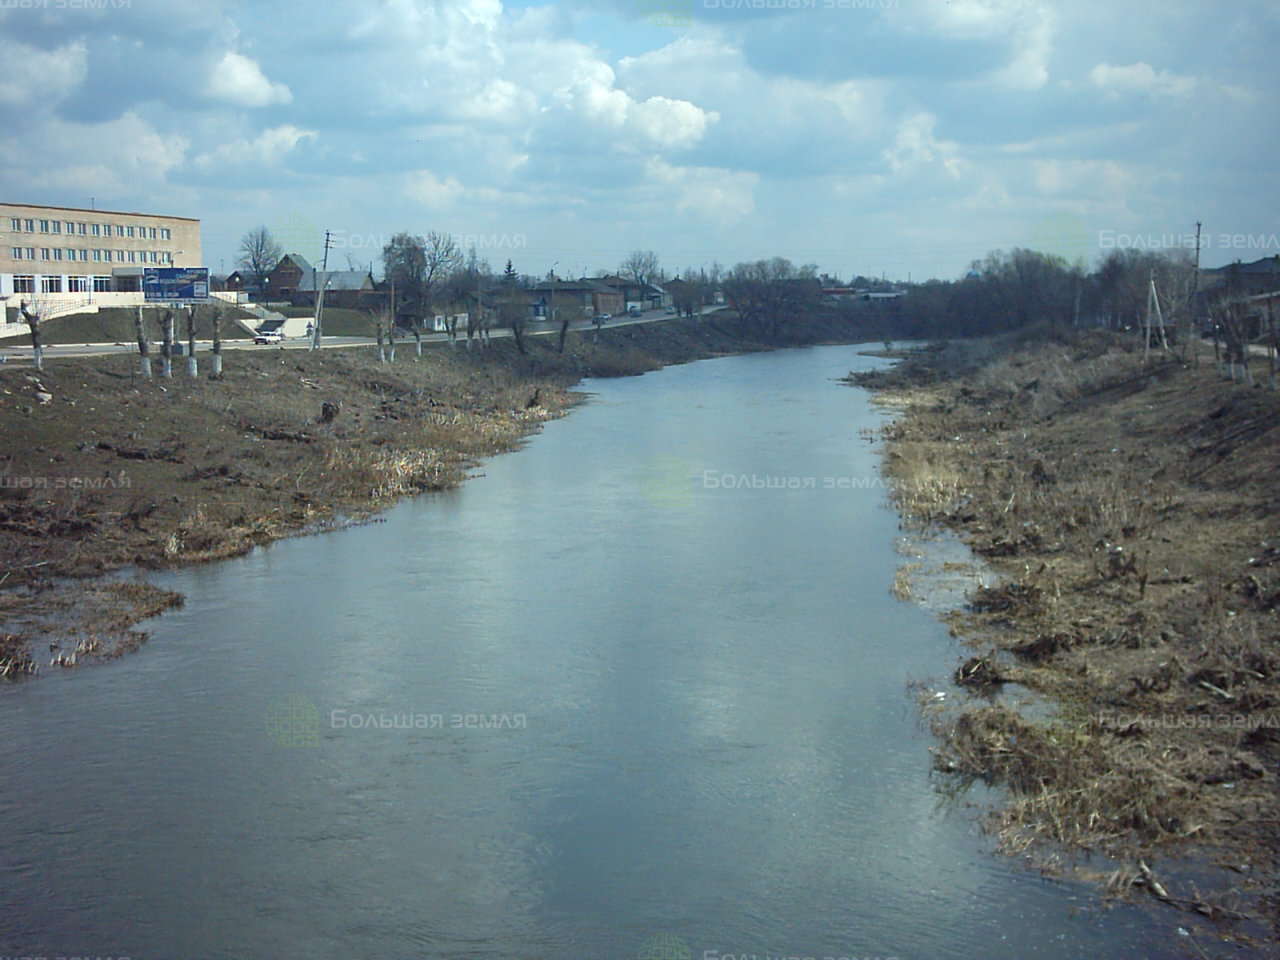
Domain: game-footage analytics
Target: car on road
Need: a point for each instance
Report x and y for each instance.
(268, 336)
(602, 318)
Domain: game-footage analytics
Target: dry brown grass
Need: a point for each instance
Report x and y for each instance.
(1127, 516)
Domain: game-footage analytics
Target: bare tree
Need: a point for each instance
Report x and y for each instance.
(144, 348)
(513, 306)
(33, 314)
(166, 345)
(419, 267)
(259, 254)
(193, 369)
(765, 293)
(380, 320)
(216, 320)
(640, 266)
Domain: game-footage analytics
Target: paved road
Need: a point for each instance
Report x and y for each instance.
(55, 351)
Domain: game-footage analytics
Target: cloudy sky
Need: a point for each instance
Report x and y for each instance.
(867, 136)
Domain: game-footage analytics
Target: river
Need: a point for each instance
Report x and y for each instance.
(639, 690)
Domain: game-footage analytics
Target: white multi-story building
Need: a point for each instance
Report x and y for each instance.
(70, 254)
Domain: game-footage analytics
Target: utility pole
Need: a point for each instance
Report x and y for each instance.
(1190, 308)
(322, 287)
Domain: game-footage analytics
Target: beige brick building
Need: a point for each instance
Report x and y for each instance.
(71, 250)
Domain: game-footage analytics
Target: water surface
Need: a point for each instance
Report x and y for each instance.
(632, 708)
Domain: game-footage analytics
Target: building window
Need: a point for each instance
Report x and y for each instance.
(16, 253)
(84, 255)
(77, 284)
(71, 254)
(164, 233)
(132, 258)
(24, 284)
(50, 284)
(97, 256)
(55, 226)
(95, 229)
(82, 228)
(44, 226)
(44, 253)
(128, 231)
(30, 225)
(101, 284)
(106, 229)
(31, 253)
(151, 233)
(57, 253)
(15, 223)
(71, 227)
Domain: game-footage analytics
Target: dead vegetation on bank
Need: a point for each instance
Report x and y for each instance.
(100, 469)
(1129, 514)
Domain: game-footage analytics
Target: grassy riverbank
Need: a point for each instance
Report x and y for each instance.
(100, 469)
(1128, 514)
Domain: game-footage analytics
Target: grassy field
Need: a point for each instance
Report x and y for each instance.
(116, 325)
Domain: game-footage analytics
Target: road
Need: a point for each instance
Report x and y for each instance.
(543, 328)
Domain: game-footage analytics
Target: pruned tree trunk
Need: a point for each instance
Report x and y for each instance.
(166, 346)
(33, 324)
(1274, 347)
(564, 332)
(144, 348)
(391, 341)
(193, 366)
(417, 342)
(216, 320)
(381, 334)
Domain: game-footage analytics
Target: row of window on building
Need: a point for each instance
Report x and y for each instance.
(27, 284)
(76, 228)
(97, 256)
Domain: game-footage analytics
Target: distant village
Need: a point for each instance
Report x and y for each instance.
(79, 260)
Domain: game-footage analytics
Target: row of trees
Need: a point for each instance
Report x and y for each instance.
(1007, 290)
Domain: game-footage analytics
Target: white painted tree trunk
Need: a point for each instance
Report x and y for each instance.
(144, 367)
(193, 367)
(217, 364)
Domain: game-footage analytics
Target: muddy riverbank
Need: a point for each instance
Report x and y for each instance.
(1127, 512)
(102, 470)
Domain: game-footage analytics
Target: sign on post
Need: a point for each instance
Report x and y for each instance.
(174, 284)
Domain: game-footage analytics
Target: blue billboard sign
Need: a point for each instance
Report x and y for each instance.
(167, 284)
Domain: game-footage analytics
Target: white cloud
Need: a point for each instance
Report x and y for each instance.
(915, 147)
(238, 80)
(267, 149)
(45, 75)
(1140, 77)
(124, 153)
(1083, 178)
(711, 193)
(430, 190)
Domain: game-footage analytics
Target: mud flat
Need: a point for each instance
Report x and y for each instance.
(1125, 515)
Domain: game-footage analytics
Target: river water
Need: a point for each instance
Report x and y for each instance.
(606, 700)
